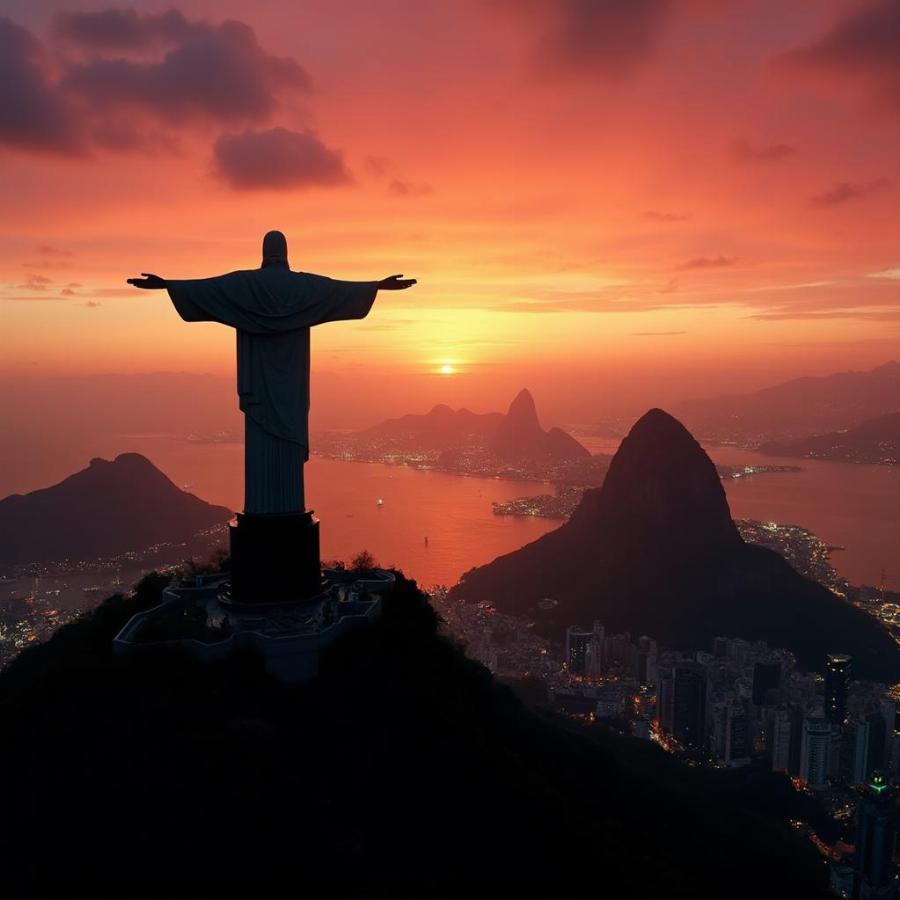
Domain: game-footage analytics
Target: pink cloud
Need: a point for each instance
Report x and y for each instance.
(709, 262)
(845, 191)
(654, 215)
(746, 152)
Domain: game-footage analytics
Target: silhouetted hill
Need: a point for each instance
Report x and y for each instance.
(520, 436)
(438, 429)
(873, 441)
(799, 407)
(107, 509)
(654, 551)
(404, 770)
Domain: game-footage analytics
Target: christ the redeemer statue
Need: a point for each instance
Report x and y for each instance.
(272, 310)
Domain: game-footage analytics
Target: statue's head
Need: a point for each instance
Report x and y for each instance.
(274, 249)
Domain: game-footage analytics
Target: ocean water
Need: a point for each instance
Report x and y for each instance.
(853, 507)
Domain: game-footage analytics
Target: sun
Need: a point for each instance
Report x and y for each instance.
(447, 369)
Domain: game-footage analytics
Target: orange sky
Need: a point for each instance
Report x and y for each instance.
(660, 197)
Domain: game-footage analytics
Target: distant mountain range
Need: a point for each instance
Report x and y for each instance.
(874, 441)
(798, 408)
(516, 436)
(438, 429)
(463, 440)
(654, 551)
(109, 508)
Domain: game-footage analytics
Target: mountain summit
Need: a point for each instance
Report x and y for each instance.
(659, 482)
(109, 508)
(520, 436)
(655, 551)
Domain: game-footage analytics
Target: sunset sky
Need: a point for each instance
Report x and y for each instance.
(651, 198)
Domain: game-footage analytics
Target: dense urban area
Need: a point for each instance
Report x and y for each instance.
(736, 703)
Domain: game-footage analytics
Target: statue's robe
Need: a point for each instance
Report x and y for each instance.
(273, 309)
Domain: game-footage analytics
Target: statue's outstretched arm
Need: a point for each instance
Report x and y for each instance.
(149, 282)
(395, 283)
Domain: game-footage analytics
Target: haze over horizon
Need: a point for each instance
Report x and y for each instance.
(624, 206)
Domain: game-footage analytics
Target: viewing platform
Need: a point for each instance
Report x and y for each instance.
(197, 615)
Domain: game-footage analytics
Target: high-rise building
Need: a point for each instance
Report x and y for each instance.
(815, 752)
(877, 756)
(837, 680)
(620, 653)
(739, 650)
(780, 733)
(857, 738)
(720, 647)
(876, 838)
(595, 665)
(766, 677)
(889, 712)
(665, 698)
(737, 735)
(689, 704)
(578, 644)
(797, 715)
(647, 655)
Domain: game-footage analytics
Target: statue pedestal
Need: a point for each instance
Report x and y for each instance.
(275, 558)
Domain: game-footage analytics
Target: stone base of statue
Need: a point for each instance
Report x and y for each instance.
(275, 558)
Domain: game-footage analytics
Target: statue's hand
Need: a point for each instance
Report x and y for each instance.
(148, 282)
(395, 283)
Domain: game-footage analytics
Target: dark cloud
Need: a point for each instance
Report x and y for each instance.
(378, 166)
(609, 39)
(409, 189)
(845, 191)
(214, 71)
(35, 283)
(68, 292)
(862, 48)
(279, 158)
(656, 216)
(121, 81)
(709, 262)
(745, 152)
(123, 29)
(93, 304)
(48, 250)
(33, 116)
